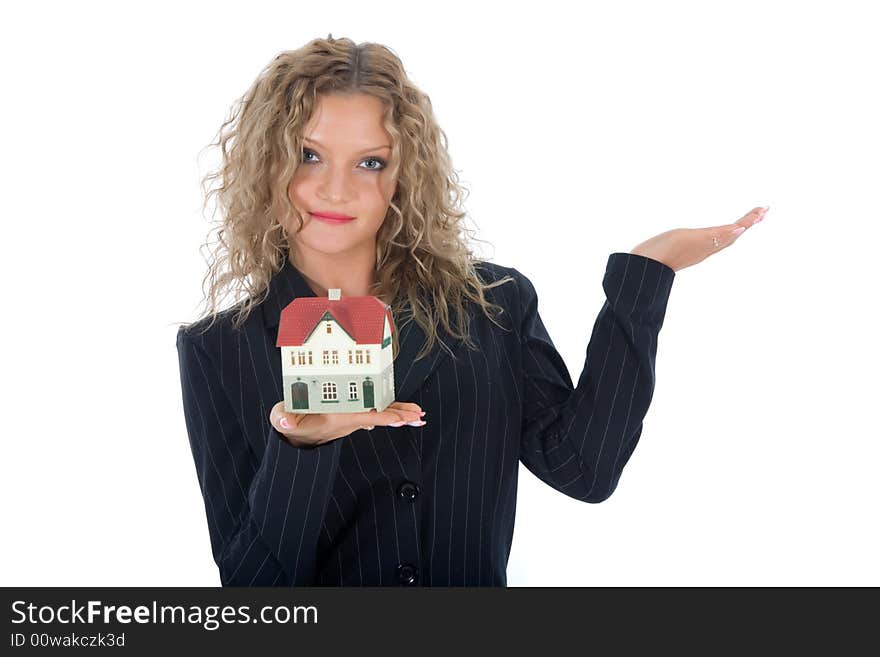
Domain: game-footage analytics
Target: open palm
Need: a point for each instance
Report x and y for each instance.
(683, 247)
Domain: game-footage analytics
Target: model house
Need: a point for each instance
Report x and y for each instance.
(336, 354)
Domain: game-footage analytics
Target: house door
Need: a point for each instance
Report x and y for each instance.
(369, 400)
(300, 394)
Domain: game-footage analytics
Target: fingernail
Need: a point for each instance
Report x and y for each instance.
(421, 412)
(739, 230)
(418, 423)
(397, 424)
(284, 423)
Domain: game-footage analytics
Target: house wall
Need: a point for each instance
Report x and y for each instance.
(383, 391)
(319, 341)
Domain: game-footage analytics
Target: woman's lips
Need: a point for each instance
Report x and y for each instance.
(332, 217)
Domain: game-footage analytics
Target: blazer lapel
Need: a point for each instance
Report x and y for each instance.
(409, 374)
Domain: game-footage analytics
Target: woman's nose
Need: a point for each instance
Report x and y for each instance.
(334, 186)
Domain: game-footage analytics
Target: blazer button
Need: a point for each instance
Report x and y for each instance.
(408, 491)
(407, 573)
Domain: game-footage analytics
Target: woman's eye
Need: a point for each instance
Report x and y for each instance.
(380, 162)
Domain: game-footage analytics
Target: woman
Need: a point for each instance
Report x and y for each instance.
(424, 492)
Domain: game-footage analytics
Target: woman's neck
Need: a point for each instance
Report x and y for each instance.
(353, 272)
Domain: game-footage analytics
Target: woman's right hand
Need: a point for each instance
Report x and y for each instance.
(311, 429)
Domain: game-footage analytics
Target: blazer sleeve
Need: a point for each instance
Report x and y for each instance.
(264, 516)
(578, 439)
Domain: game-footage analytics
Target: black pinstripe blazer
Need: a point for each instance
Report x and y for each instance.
(424, 506)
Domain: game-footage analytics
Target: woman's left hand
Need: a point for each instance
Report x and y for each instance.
(683, 247)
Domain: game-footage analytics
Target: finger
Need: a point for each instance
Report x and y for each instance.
(387, 417)
(739, 227)
(406, 411)
(405, 406)
(752, 217)
(277, 414)
(712, 240)
(394, 416)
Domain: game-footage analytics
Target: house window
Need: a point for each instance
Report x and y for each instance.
(302, 357)
(352, 390)
(368, 356)
(335, 357)
(349, 356)
(328, 391)
(326, 360)
(310, 356)
(329, 328)
(359, 356)
(293, 358)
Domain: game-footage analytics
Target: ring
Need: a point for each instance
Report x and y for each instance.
(369, 428)
(715, 242)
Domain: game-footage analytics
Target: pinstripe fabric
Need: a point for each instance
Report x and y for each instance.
(424, 506)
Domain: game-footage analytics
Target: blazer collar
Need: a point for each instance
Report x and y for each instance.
(409, 374)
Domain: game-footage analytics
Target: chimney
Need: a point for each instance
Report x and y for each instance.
(334, 294)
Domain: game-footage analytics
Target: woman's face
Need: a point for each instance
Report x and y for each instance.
(344, 170)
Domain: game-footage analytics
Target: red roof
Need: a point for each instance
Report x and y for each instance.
(362, 317)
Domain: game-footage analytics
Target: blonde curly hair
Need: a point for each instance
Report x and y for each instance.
(425, 268)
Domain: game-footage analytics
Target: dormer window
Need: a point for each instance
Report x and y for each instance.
(329, 328)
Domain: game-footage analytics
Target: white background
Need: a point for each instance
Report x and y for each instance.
(580, 129)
